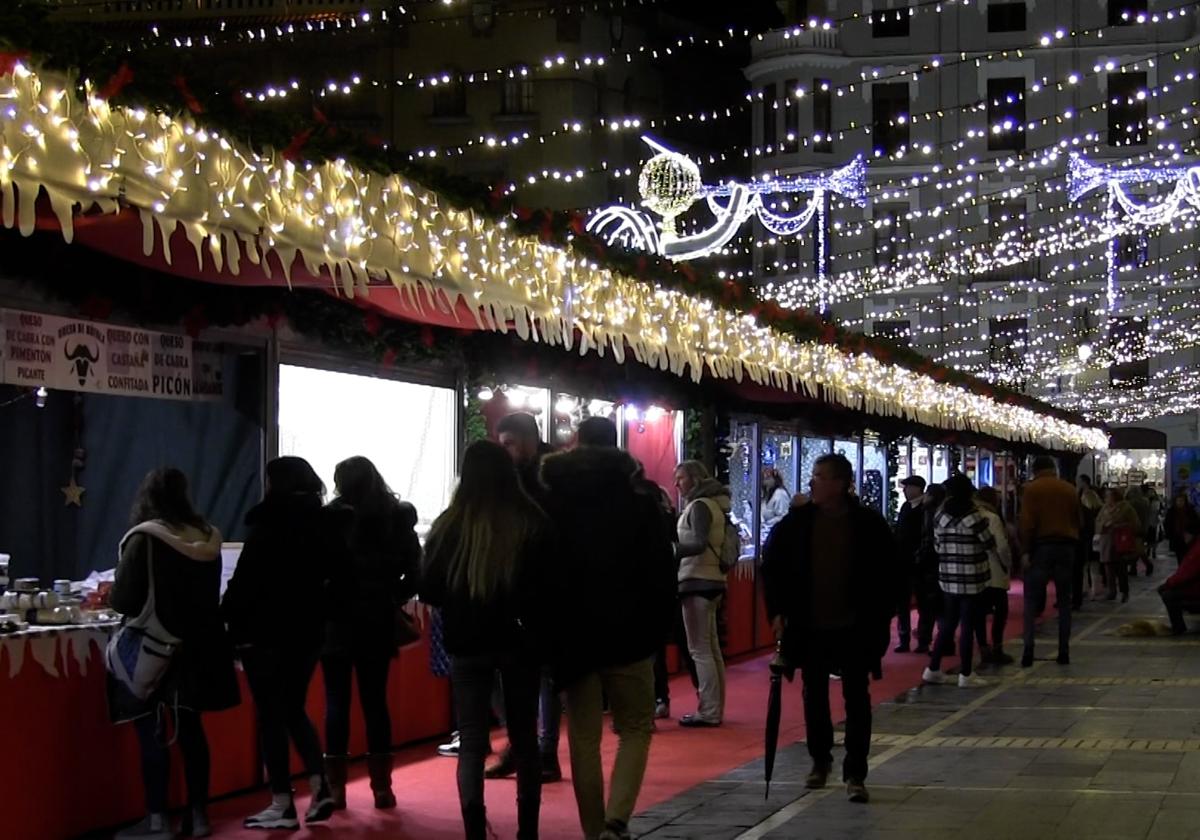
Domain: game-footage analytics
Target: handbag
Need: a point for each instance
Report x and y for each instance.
(139, 654)
(1124, 541)
(408, 632)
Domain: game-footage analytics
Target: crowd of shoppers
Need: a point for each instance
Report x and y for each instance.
(557, 578)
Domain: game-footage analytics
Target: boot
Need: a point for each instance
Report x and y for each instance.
(280, 814)
(379, 767)
(335, 774)
(320, 807)
(504, 767)
(195, 822)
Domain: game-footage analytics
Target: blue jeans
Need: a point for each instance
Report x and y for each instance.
(1050, 560)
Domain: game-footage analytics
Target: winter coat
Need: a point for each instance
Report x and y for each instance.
(787, 570)
(278, 597)
(1110, 518)
(962, 544)
(1178, 523)
(910, 528)
(1001, 554)
(519, 621)
(618, 564)
(187, 586)
(701, 538)
(380, 574)
(1186, 580)
(776, 507)
(1139, 503)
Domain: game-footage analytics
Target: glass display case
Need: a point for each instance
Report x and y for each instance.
(810, 450)
(743, 483)
(849, 449)
(874, 474)
(940, 469)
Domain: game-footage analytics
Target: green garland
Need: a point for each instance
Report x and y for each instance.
(179, 80)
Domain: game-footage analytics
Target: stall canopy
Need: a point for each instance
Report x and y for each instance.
(166, 192)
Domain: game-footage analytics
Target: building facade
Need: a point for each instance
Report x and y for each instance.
(971, 249)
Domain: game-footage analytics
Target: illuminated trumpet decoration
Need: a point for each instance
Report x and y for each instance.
(1083, 177)
(670, 184)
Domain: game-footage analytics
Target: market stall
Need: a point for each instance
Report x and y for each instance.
(206, 232)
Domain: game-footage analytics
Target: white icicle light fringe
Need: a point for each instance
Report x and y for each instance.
(360, 224)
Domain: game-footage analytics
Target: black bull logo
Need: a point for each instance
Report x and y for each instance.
(81, 357)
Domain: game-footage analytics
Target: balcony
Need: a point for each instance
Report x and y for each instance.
(795, 40)
(164, 11)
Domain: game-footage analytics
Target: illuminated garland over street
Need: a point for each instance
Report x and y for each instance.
(362, 225)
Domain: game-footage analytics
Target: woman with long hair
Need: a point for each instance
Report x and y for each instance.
(1117, 523)
(379, 576)
(487, 565)
(275, 606)
(962, 539)
(172, 547)
(775, 499)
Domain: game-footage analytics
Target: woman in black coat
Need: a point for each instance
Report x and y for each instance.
(379, 576)
(182, 552)
(276, 605)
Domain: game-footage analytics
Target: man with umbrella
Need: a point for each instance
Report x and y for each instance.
(829, 584)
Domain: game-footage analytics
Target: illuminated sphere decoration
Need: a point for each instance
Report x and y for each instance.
(669, 184)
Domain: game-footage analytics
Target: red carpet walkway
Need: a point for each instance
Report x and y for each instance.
(679, 759)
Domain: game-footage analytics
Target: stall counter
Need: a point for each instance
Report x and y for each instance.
(70, 771)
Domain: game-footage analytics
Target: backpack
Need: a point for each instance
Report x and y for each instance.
(731, 542)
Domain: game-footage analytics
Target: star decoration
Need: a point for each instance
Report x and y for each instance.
(74, 493)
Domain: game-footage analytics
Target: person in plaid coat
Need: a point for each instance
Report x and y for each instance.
(962, 539)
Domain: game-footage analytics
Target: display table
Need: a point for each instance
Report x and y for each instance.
(68, 770)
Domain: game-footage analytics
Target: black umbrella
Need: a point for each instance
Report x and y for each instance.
(779, 669)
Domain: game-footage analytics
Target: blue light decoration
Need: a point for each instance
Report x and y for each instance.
(670, 184)
(1084, 177)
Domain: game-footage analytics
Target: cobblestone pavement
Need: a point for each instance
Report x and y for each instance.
(1106, 747)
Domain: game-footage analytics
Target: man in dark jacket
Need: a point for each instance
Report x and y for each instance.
(910, 526)
(519, 434)
(619, 605)
(830, 596)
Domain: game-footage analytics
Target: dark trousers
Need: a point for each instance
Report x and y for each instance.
(1175, 604)
(829, 650)
(1117, 574)
(927, 610)
(473, 678)
(153, 735)
(1050, 561)
(993, 601)
(279, 684)
(550, 709)
(959, 612)
(372, 672)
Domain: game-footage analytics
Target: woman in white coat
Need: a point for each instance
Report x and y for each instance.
(776, 500)
(995, 597)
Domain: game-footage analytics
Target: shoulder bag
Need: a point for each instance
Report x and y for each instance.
(140, 652)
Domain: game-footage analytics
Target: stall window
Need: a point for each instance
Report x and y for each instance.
(940, 469)
(810, 450)
(780, 456)
(743, 489)
(408, 430)
(874, 475)
(849, 449)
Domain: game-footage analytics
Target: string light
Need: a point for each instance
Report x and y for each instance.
(360, 225)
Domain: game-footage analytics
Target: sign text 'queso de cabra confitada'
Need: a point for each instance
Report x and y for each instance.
(74, 354)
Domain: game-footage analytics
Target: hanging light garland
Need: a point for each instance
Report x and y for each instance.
(358, 225)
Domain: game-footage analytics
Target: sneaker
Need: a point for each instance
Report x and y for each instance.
(195, 823)
(450, 749)
(818, 776)
(150, 827)
(856, 791)
(933, 677)
(972, 681)
(662, 711)
(322, 805)
(276, 815)
(695, 721)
